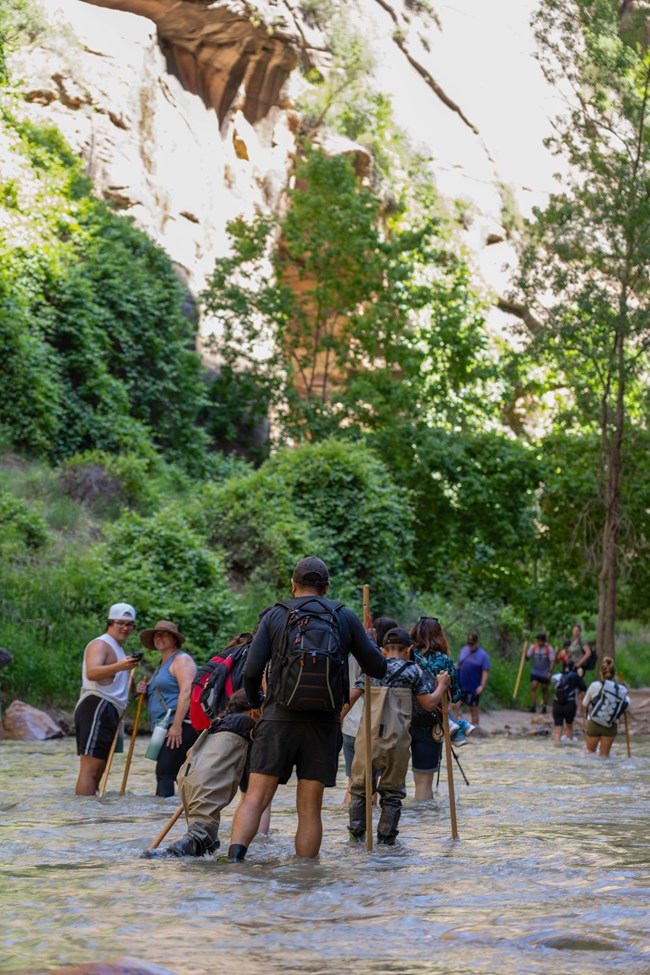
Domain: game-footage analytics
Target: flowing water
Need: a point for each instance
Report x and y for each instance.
(551, 875)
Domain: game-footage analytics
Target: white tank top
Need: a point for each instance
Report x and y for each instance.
(117, 691)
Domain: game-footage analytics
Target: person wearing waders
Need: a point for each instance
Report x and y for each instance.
(104, 696)
(209, 779)
(392, 704)
(306, 640)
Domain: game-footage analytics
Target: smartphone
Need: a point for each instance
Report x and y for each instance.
(138, 654)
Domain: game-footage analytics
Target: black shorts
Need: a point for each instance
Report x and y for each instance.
(540, 680)
(95, 721)
(564, 712)
(311, 747)
(425, 750)
(470, 698)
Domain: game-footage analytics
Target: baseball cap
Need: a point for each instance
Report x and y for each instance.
(121, 611)
(311, 570)
(398, 635)
(541, 636)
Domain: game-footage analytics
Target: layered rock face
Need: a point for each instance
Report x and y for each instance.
(184, 110)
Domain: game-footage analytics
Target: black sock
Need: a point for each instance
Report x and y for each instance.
(237, 851)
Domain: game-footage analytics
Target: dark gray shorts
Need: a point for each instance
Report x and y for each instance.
(311, 747)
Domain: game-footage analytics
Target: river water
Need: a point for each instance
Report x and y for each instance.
(551, 874)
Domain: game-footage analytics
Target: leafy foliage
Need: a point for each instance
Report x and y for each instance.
(86, 304)
(362, 328)
(331, 499)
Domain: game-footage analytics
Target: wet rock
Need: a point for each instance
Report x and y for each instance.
(22, 722)
(125, 966)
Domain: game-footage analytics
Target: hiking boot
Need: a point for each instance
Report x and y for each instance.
(469, 729)
(236, 853)
(453, 727)
(386, 840)
(544, 709)
(532, 709)
(356, 837)
(459, 740)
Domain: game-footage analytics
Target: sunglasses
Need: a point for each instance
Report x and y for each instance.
(125, 623)
(421, 619)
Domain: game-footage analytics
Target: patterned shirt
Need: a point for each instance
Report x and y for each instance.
(433, 663)
(408, 676)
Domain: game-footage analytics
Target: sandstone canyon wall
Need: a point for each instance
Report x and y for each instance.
(185, 112)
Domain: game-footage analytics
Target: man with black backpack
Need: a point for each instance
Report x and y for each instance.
(306, 640)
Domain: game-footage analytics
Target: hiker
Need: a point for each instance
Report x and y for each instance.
(168, 698)
(579, 649)
(542, 657)
(350, 724)
(392, 701)
(214, 685)
(430, 651)
(604, 703)
(566, 687)
(306, 639)
(210, 777)
(104, 696)
(473, 669)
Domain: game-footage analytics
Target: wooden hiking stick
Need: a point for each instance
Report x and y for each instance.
(521, 667)
(626, 722)
(166, 828)
(109, 762)
(450, 771)
(132, 744)
(367, 721)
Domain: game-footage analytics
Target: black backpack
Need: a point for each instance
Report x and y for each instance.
(593, 659)
(565, 689)
(311, 673)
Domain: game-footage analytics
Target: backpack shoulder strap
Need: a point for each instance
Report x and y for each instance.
(398, 672)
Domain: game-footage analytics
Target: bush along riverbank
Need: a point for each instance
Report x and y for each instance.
(210, 554)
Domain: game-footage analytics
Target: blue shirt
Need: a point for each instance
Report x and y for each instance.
(162, 685)
(471, 664)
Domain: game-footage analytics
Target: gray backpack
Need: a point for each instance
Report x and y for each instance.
(609, 704)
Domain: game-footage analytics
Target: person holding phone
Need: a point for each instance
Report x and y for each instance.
(169, 690)
(104, 696)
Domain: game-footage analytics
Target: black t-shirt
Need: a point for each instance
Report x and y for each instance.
(270, 640)
(237, 722)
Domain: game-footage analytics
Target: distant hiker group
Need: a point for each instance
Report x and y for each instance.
(271, 704)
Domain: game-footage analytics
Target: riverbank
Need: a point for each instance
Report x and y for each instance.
(500, 721)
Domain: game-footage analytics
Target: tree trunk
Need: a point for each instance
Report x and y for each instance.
(608, 576)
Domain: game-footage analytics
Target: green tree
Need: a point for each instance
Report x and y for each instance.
(362, 325)
(590, 247)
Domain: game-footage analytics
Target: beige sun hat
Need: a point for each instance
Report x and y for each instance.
(162, 626)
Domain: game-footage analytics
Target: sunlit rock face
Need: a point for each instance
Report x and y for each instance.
(184, 110)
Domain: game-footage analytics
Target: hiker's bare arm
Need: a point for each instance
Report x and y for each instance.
(102, 664)
(431, 701)
(484, 679)
(355, 694)
(183, 669)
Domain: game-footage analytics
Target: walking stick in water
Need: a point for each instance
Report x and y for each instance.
(367, 719)
(521, 667)
(109, 762)
(132, 744)
(166, 828)
(626, 722)
(450, 771)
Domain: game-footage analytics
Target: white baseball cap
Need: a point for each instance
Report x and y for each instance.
(121, 611)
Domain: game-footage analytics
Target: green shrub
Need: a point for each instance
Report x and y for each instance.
(331, 499)
(20, 525)
(167, 571)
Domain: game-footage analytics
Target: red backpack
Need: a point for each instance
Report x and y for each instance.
(214, 684)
